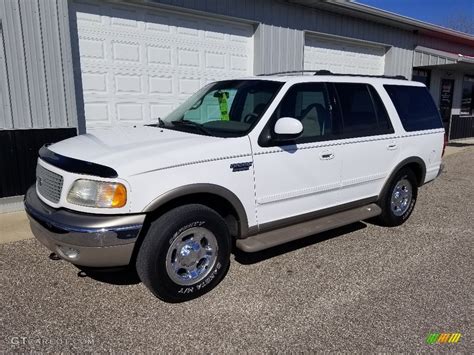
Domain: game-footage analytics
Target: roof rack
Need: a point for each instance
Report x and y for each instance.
(288, 72)
(327, 72)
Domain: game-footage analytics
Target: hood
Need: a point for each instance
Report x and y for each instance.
(133, 151)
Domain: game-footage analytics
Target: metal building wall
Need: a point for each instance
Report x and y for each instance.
(282, 27)
(444, 45)
(38, 91)
(270, 40)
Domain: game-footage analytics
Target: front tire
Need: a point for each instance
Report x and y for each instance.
(185, 253)
(399, 199)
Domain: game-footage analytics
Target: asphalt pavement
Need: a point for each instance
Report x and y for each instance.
(361, 288)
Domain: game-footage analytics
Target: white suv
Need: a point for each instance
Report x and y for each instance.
(251, 163)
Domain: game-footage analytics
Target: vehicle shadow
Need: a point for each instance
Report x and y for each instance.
(460, 144)
(128, 275)
(253, 258)
(114, 276)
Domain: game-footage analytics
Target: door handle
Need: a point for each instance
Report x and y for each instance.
(392, 146)
(326, 155)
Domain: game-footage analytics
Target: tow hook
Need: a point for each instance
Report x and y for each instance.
(54, 256)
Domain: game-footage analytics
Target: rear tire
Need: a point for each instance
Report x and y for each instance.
(185, 253)
(399, 199)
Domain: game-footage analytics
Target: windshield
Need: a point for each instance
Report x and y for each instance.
(225, 109)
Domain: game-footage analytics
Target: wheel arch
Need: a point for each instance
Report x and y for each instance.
(214, 196)
(416, 164)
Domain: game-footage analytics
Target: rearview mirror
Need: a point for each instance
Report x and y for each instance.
(287, 129)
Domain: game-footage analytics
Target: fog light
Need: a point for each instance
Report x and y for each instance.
(68, 252)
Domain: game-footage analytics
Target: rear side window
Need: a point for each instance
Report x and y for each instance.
(415, 107)
(363, 113)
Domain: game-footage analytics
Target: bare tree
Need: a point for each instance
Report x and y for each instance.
(460, 22)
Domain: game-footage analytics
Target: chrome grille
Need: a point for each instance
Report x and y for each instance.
(49, 184)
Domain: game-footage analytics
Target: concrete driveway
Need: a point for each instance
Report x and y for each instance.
(360, 288)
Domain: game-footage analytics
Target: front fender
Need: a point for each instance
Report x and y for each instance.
(202, 188)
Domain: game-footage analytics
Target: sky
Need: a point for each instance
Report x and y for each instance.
(432, 11)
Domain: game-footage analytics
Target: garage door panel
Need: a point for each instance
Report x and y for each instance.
(97, 112)
(129, 112)
(160, 85)
(156, 58)
(343, 57)
(128, 84)
(92, 48)
(126, 52)
(94, 82)
(159, 55)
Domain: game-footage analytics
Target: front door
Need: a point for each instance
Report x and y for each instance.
(446, 101)
(302, 176)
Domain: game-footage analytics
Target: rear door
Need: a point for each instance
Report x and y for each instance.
(370, 146)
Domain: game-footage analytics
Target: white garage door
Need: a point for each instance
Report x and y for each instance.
(138, 64)
(343, 57)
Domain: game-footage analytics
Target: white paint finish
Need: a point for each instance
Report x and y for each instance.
(283, 181)
(291, 182)
(343, 57)
(370, 160)
(367, 164)
(145, 154)
(157, 57)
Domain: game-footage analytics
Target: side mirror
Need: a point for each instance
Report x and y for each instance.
(287, 129)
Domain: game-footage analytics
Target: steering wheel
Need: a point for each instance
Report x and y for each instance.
(250, 117)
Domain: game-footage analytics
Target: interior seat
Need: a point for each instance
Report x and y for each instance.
(314, 119)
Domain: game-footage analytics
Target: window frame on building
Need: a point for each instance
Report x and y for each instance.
(470, 95)
(424, 79)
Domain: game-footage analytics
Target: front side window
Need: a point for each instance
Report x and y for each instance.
(308, 103)
(467, 101)
(225, 109)
(415, 107)
(362, 110)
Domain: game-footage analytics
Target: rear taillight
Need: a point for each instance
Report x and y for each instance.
(444, 144)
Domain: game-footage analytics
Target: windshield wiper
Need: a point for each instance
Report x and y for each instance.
(189, 123)
(160, 124)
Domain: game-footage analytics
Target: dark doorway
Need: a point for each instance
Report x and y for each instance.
(446, 101)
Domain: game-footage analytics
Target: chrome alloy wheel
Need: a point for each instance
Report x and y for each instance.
(191, 256)
(401, 197)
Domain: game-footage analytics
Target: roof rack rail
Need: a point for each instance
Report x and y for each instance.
(327, 72)
(288, 72)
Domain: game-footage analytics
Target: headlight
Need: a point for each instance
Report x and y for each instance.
(100, 194)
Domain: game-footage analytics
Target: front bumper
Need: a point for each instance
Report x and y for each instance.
(83, 239)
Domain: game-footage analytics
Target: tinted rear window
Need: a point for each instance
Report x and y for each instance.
(415, 107)
(362, 111)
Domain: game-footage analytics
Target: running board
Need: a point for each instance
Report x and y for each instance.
(287, 234)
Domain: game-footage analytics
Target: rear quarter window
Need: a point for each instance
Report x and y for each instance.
(415, 107)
